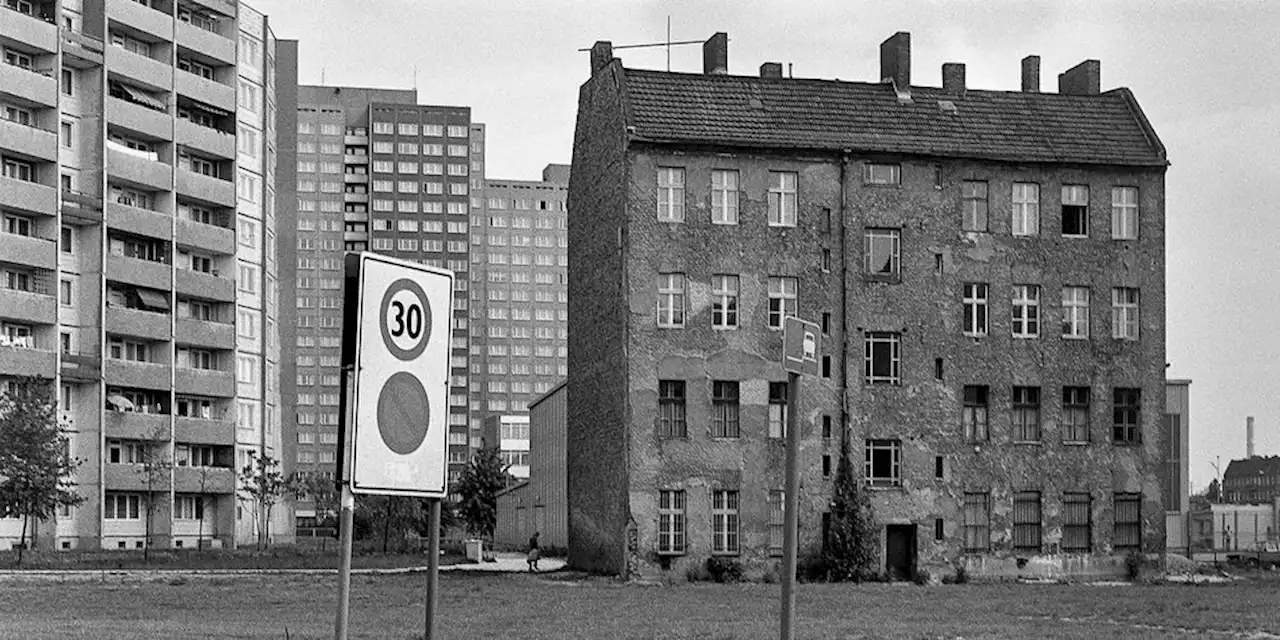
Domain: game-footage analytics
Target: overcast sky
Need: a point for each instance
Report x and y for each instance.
(1206, 75)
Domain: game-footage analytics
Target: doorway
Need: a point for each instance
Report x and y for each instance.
(900, 551)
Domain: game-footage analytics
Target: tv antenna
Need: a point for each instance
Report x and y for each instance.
(668, 44)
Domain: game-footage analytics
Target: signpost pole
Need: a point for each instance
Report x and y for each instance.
(433, 567)
(344, 567)
(791, 499)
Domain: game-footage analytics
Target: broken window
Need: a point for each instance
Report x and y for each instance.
(1076, 515)
(974, 414)
(1126, 413)
(1128, 522)
(977, 522)
(1026, 414)
(974, 205)
(1026, 521)
(883, 463)
(1075, 210)
(881, 248)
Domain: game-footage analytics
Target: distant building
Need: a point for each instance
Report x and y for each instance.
(1235, 527)
(1176, 487)
(540, 504)
(511, 435)
(1253, 480)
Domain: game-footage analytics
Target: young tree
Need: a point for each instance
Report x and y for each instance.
(478, 486)
(851, 548)
(206, 477)
(321, 492)
(262, 482)
(157, 465)
(35, 463)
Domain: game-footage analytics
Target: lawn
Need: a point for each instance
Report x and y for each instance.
(228, 559)
(566, 606)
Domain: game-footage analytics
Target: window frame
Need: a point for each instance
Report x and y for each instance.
(1028, 504)
(894, 341)
(782, 302)
(976, 306)
(870, 472)
(1126, 416)
(671, 290)
(726, 410)
(1075, 313)
(1073, 409)
(1025, 307)
(725, 522)
(1125, 313)
(778, 398)
(872, 173)
(725, 292)
(1125, 214)
(672, 539)
(783, 199)
(671, 194)
(976, 519)
(1128, 529)
(1077, 522)
(1027, 425)
(975, 206)
(871, 237)
(672, 409)
(1075, 206)
(975, 412)
(725, 200)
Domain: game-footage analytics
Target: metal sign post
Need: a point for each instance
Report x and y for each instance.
(801, 344)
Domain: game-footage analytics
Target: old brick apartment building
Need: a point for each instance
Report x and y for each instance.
(988, 267)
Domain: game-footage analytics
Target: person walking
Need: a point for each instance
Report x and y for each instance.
(534, 552)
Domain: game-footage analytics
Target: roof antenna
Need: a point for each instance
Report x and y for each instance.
(789, 70)
(668, 43)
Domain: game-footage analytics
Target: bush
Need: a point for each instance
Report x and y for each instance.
(1133, 564)
(811, 568)
(724, 569)
(697, 573)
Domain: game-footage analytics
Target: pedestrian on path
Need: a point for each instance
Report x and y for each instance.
(534, 552)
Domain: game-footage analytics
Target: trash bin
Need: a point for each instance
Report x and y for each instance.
(475, 550)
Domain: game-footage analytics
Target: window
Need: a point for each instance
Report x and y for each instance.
(1026, 311)
(64, 292)
(879, 173)
(124, 452)
(1075, 414)
(882, 357)
(1075, 210)
(19, 170)
(188, 507)
(724, 197)
(724, 302)
(724, 522)
(1075, 312)
(884, 463)
(1076, 516)
(977, 522)
(671, 409)
(1124, 313)
(974, 415)
(1124, 213)
(777, 409)
(782, 198)
(670, 194)
(671, 522)
(122, 506)
(1026, 414)
(724, 409)
(782, 299)
(67, 78)
(1026, 209)
(973, 194)
(975, 309)
(1128, 522)
(17, 225)
(64, 134)
(670, 299)
(1127, 414)
(1026, 521)
(457, 131)
(777, 521)
(881, 247)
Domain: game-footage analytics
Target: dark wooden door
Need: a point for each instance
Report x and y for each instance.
(900, 551)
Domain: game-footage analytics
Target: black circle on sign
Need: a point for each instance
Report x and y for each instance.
(403, 413)
(396, 287)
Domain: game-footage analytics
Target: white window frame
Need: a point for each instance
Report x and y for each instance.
(1075, 312)
(783, 299)
(894, 340)
(894, 477)
(1124, 213)
(671, 300)
(671, 522)
(1026, 209)
(1124, 313)
(725, 521)
(724, 301)
(671, 194)
(1026, 310)
(875, 236)
(724, 196)
(1075, 195)
(783, 198)
(977, 316)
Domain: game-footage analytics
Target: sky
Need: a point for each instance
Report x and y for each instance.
(1206, 74)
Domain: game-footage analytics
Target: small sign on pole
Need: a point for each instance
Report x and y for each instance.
(801, 352)
(801, 346)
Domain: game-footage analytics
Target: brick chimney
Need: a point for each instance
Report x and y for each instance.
(715, 54)
(601, 55)
(771, 70)
(953, 78)
(1084, 79)
(895, 59)
(1031, 74)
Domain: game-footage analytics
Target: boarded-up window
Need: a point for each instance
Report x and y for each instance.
(1026, 521)
(1076, 534)
(1128, 522)
(977, 521)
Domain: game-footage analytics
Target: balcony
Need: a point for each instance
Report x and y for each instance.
(207, 188)
(141, 375)
(130, 477)
(17, 361)
(28, 141)
(27, 306)
(355, 141)
(208, 237)
(31, 197)
(355, 197)
(201, 431)
(205, 285)
(218, 47)
(149, 174)
(203, 333)
(355, 159)
(142, 18)
(205, 382)
(84, 49)
(204, 480)
(207, 91)
(81, 208)
(133, 425)
(207, 139)
(136, 220)
(39, 87)
(147, 73)
(139, 119)
(136, 271)
(221, 7)
(28, 30)
(81, 367)
(355, 178)
(138, 323)
(28, 251)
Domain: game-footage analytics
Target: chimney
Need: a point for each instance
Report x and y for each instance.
(895, 60)
(601, 55)
(1031, 74)
(715, 54)
(1248, 431)
(1084, 79)
(953, 78)
(771, 70)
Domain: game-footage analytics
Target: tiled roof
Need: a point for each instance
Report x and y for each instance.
(789, 113)
(1253, 467)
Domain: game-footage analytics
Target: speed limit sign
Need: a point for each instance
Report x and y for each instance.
(396, 342)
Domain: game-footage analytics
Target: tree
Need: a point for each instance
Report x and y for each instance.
(35, 461)
(394, 517)
(262, 482)
(851, 548)
(321, 492)
(205, 477)
(478, 486)
(157, 464)
(1214, 492)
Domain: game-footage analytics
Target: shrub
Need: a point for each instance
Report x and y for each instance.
(724, 569)
(1133, 564)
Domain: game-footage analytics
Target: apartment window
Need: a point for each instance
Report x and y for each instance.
(884, 463)
(777, 521)
(670, 299)
(1026, 311)
(782, 299)
(1077, 513)
(782, 198)
(724, 409)
(1026, 209)
(1075, 414)
(124, 452)
(724, 197)
(777, 409)
(17, 114)
(1075, 312)
(1026, 521)
(1075, 210)
(1124, 213)
(1127, 415)
(18, 225)
(671, 409)
(724, 522)
(670, 194)
(1026, 414)
(881, 248)
(882, 357)
(1124, 313)
(64, 292)
(122, 506)
(19, 170)
(724, 302)
(65, 135)
(973, 196)
(975, 309)
(974, 415)
(880, 173)
(67, 78)
(1128, 522)
(671, 522)
(977, 522)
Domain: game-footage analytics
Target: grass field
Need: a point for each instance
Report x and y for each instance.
(568, 606)
(230, 559)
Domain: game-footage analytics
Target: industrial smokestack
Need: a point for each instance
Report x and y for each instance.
(1248, 446)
